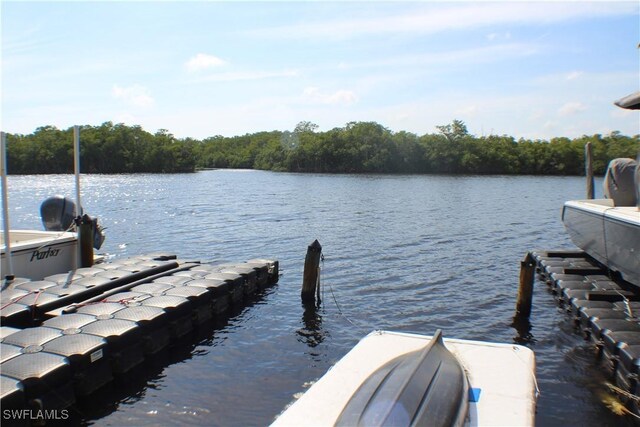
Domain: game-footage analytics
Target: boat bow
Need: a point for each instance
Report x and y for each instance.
(423, 387)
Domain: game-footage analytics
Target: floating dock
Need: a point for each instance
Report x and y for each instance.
(605, 311)
(65, 337)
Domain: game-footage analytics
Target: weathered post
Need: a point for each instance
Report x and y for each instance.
(311, 272)
(588, 170)
(85, 233)
(525, 290)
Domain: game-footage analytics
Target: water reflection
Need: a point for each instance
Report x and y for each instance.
(523, 328)
(312, 333)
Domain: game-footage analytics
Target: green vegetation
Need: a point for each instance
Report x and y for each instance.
(107, 148)
(358, 147)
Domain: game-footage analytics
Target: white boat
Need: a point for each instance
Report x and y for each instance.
(608, 233)
(609, 229)
(38, 254)
(35, 254)
(402, 379)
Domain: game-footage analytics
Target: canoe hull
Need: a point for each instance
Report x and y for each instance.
(501, 378)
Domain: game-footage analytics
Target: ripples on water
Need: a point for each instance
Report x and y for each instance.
(410, 253)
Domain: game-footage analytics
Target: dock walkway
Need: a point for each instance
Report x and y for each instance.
(64, 337)
(605, 311)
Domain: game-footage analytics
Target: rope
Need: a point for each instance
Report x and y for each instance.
(31, 306)
(338, 307)
(322, 268)
(123, 301)
(56, 238)
(15, 300)
(365, 329)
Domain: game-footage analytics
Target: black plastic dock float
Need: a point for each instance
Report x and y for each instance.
(88, 357)
(605, 310)
(152, 324)
(25, 303)
(12, 394)
(46, 378)
(77, 349)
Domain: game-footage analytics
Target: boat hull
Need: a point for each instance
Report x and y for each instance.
(609, 234)
(501, 378)
(38, 254)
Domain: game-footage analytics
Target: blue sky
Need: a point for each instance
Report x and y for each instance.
(199, 69)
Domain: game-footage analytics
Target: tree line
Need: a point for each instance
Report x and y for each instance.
(108, 148)
(358, 147)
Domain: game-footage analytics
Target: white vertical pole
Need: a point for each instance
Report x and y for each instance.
(5, 206)
(76, 167)
(76, 164)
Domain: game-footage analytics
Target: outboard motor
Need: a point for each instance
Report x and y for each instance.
(57, 213)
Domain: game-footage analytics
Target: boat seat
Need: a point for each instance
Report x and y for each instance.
(621, 182)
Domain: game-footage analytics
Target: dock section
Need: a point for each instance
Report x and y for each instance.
(68, 335)
(606, 312)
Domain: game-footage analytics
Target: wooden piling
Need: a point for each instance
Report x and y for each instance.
(85, 231)
(311, 272)
(588, 170)
(525, 290)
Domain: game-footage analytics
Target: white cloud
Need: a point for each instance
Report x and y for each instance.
(202, 61)
(498, 36)
(487, 54)
(343, 97)
(246, 75)
(447, 18)
(135, 95)
(468, 110)
(574, 75)
(571, 108)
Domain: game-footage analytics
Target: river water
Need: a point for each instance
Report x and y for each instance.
(407, 253)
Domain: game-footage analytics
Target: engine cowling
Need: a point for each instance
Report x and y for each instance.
(57, 213)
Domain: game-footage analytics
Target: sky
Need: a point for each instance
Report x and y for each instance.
(533, 70)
